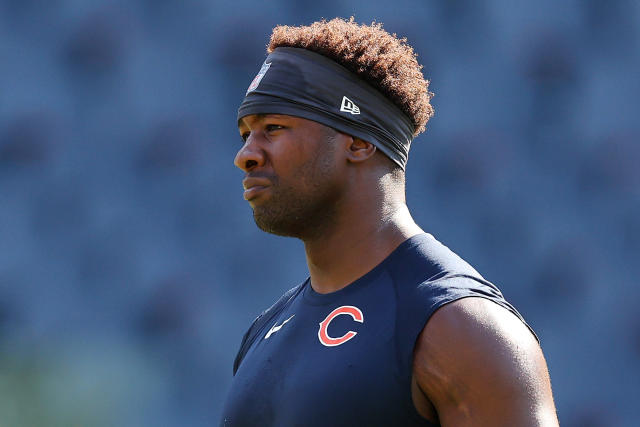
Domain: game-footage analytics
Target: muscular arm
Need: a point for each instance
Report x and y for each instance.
(477, 364)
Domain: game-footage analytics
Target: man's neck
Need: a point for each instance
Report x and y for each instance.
(355, 244)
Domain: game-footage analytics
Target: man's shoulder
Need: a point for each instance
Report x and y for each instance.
(275, 308)
(262, 319)
(428, 276)
(425, 271)
(424, 258)
(282, 301)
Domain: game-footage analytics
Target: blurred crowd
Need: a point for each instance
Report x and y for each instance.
(130, 266)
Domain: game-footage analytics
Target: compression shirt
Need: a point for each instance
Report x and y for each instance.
(345, 358)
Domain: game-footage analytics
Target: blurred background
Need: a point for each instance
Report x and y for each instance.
(130, 266)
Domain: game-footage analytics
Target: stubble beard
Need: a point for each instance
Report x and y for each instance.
(305, 211)
(294, 215)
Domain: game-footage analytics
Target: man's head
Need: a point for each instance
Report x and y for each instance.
(290, 165)
(302, 159)
(382, 60)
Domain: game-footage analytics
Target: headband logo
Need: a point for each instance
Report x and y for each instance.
(256, 80)
(348, 106)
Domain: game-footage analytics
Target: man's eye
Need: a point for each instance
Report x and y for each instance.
(245, 136)
(271, 128)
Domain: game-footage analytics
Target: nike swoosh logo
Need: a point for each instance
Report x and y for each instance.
(275, 328)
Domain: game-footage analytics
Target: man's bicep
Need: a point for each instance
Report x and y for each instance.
(478, 364)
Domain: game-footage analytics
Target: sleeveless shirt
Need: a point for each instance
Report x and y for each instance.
(345, 358)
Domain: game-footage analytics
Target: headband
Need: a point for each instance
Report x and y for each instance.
(302, 83)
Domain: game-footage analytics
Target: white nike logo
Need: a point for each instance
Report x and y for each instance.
(275, 328)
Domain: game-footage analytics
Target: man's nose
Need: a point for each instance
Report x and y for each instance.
(250, 156)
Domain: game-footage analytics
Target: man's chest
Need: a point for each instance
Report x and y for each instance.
(323, 345)
(335, 360)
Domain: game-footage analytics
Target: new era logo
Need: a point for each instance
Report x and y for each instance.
(348, 106)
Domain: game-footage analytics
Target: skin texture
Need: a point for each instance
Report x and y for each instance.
(341, 199)
(475, 363)
(299, 200)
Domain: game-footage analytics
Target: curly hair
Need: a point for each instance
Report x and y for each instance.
(381, 59)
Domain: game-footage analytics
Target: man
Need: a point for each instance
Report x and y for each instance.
(391, 328)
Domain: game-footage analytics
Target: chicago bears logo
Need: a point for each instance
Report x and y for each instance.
(324, 337)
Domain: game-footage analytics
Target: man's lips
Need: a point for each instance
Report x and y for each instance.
(254, 186)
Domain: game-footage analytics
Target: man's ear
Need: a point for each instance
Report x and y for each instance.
(359, 150)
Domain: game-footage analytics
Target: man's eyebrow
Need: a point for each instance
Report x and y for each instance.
(258, 118)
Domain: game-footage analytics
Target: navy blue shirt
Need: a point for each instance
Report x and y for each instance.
(345, 358)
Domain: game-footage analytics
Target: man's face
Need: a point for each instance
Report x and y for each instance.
(292, 173)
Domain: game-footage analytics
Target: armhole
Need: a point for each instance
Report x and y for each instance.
(430, 296)
(500, 302)
(482, 289)
(423, 304)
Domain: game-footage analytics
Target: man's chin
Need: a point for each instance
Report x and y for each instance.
(271, 229)
(273, 224)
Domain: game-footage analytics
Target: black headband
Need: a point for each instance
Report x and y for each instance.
(301, 83)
